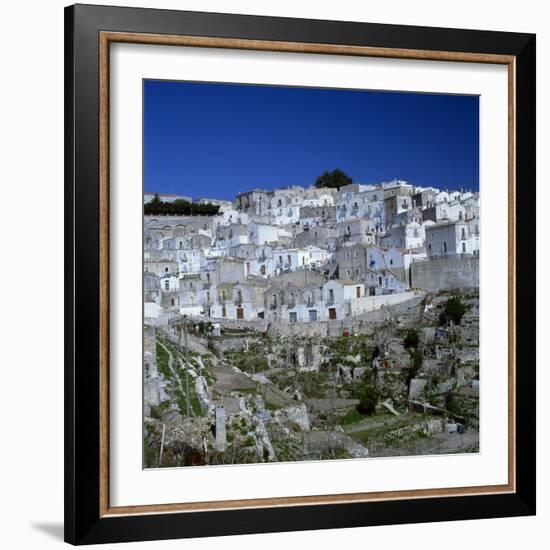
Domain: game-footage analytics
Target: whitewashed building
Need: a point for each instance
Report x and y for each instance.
(452, 238)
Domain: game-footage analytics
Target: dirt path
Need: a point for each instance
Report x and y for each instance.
(170, 357)
(227, 379)
(175, 375)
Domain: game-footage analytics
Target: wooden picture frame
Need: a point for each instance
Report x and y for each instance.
(89, 32)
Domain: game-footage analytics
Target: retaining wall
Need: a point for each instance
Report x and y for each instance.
(452, 272)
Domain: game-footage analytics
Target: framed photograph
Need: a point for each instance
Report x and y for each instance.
(300, 274)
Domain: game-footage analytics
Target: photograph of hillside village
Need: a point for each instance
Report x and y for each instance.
(331, 318)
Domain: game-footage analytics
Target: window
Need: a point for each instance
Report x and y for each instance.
(391, 262)
(463, 233)
(444, 246)
(208, 277)
(312, 314)
(173, 302)
(166, 284)
(224, 313)
(293, 317)
(463, 248)
(331, 295)
(289, 259)
(166, 269)
(223, 295)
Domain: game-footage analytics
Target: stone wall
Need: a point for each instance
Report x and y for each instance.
(383, 307)
(453, 272)
(360, 324)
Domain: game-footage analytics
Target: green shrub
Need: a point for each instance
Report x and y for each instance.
(351, 417)
(411, 339)
(368, 396)
(454, 310)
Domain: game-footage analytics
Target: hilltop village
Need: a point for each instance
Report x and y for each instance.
(311, 323)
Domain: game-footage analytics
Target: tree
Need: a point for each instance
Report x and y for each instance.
(179, 207)
(334, 179)
(368, 396)
(416, 365)
(411, 339)
(454, 310)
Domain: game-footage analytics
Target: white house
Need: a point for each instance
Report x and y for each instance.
(191, 260)
(452, 238)
(409, 235)
(231, 216)
(341, 298)
(232, 235)
(263, 233)
(445, 211)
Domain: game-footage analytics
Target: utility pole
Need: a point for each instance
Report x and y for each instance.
(187, 402)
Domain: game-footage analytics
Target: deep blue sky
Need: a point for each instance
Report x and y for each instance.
(215, 140)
